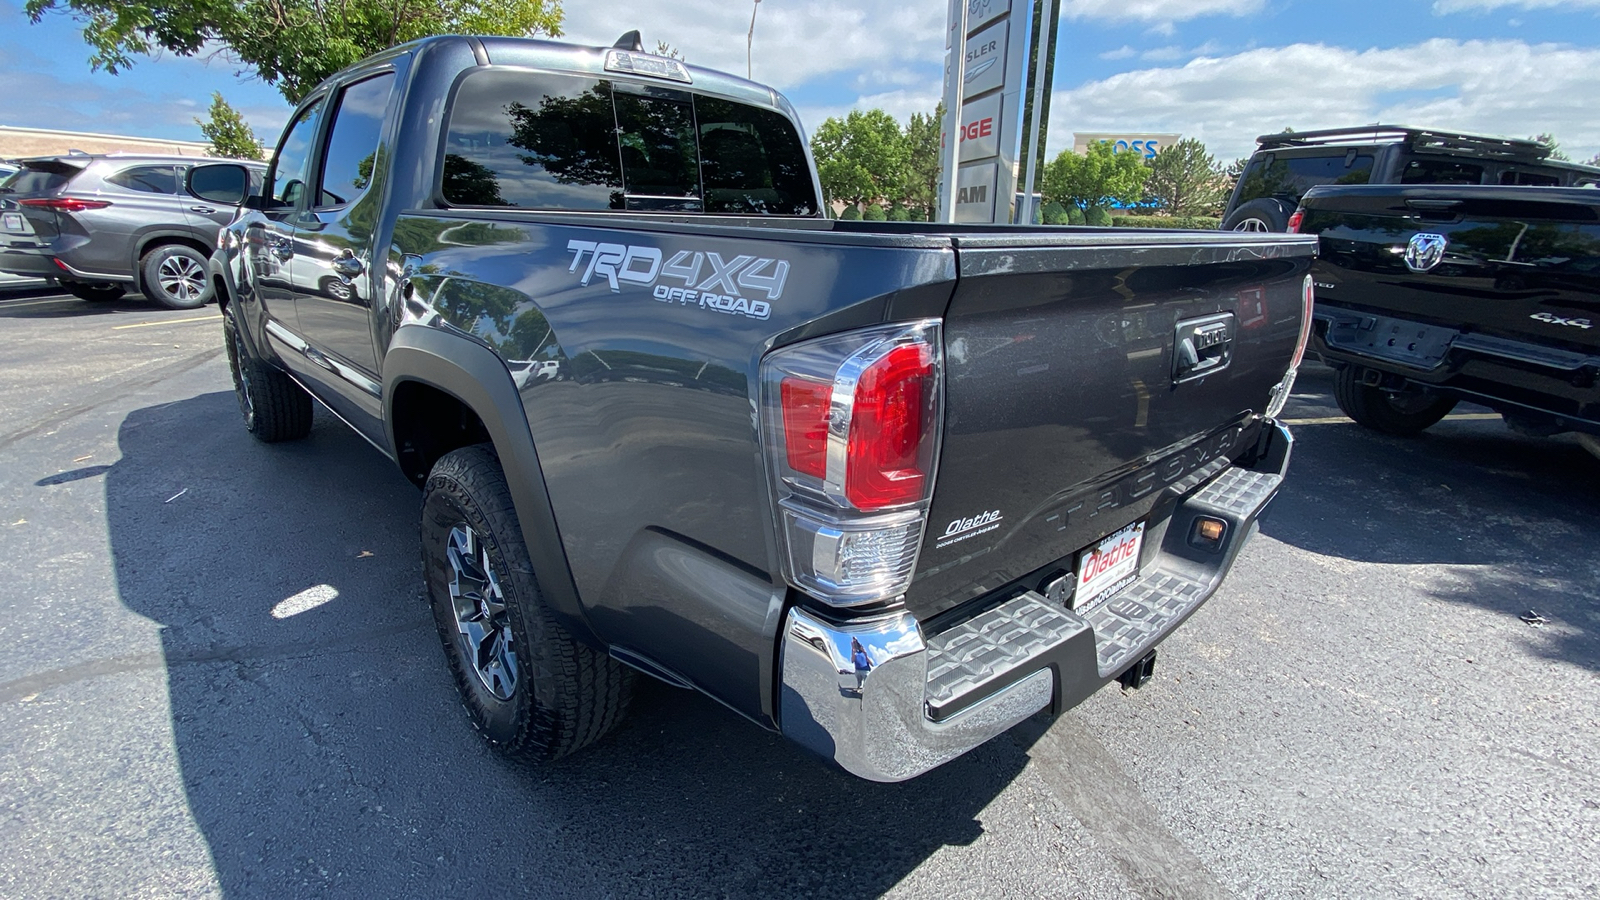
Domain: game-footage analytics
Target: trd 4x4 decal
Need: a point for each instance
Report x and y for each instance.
(710, 282)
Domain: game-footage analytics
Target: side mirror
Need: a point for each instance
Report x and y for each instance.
(225, 183)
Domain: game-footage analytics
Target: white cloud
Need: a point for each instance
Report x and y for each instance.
(1497, 87)
(1161, 12)
(793, 44)
(1444, 7)
(1123, 52)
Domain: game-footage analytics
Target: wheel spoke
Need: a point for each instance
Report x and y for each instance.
(481, 613)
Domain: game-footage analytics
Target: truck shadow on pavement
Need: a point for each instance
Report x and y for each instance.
(324, 752)
(50, 303)
(1504, 522)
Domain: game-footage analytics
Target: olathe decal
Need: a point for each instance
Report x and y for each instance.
(709, 281)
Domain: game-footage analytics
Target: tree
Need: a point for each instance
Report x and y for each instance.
(1549, 140)
(1232, 174)
(1184, 179)
(292, 44)
(1101, 177)
(1593, 160)
(921, 188)
(228, 132)
(861, 157)
(665, 49)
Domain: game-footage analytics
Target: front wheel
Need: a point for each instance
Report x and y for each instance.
(531, 689)
(274, 407)
(1392, 412)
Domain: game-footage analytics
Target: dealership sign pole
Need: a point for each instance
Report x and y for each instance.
(983, 93)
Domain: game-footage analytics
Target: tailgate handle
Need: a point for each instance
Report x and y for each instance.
(1202, 347)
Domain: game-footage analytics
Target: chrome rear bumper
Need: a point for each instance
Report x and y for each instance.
(921, 701)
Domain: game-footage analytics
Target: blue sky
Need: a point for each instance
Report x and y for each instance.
(1221, 70)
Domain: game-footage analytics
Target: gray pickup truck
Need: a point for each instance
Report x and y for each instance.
(886, 488)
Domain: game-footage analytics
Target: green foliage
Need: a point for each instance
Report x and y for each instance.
(898, 213)
(1185, 180)
(1549, 140)
(874, 213)
(921, 187)
(1231, 176)
(852, 213)
(1101, 177)
(1054, 214)
(1098, 216)
(1190, 223)
(1075, 216)
(228, 132)
(861, 157)
(292, 44)
(1593, 161)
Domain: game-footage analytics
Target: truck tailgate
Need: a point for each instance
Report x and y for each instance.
(1069, 413)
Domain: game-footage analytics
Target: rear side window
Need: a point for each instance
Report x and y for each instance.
(1441, 171)
(543, 141)
(41, 176)
(148, 179)
(1538, 179)
(353, 140)
(1288, 178)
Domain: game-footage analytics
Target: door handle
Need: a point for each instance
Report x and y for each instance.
(347, 265)
(207, 210)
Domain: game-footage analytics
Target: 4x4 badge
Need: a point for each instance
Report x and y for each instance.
(1425, 251)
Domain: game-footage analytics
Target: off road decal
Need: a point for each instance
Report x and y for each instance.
(709, 281)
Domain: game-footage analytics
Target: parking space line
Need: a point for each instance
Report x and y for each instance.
(167, 322)
(1342, 420)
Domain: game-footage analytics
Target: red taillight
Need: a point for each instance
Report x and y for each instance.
(889, 423)
(1295, 220)
(805, 424)
(64, 204)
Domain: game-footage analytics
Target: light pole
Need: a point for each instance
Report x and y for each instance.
(750, 40)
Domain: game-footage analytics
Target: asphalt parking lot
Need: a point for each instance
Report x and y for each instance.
(1393, 695)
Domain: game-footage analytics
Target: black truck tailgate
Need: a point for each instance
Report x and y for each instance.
(1069, 413)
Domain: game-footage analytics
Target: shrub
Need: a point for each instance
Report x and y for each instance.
(1189, 223)
(851, 213)
(1097, 216)
(1054, 213)
(898, 213)
(1075, 216)
(874, 213)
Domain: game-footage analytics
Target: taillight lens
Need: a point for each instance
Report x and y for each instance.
(64, 204)
(1295, 220)
(851, 431)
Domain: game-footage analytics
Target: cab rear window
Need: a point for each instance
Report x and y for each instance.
(545, 141)
(1289, 177)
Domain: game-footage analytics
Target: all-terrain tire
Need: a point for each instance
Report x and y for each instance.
(1265, 214)
(175, 276)
(274, 407)
(1386, 411)
(94, 293)
(560, 695)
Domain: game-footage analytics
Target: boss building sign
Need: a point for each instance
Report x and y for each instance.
(1146, 145)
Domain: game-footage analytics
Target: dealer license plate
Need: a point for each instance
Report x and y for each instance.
(13, 222)
(1108, 567)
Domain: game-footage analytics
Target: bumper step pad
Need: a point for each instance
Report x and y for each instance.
(980, 656)
(983, 654)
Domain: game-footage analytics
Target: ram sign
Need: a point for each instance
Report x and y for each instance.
(1146, 145)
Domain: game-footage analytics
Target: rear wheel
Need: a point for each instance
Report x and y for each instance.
(1392, 412)
(94, 293)
(175, 277)
(274, 407)
(1258, 215)
(531, 689)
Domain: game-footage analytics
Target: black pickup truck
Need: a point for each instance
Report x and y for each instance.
(1430, 295)
(887, 489)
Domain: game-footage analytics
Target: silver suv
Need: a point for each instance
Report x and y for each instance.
(102, 225)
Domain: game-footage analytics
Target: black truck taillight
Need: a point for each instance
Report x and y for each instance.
(1295, 221)
(850, 424)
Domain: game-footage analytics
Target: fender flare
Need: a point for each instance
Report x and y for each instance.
(144, 239)
(478, 377)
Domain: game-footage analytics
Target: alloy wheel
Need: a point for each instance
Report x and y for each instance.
(481, 614)
(1251, 224)
(182, 278)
